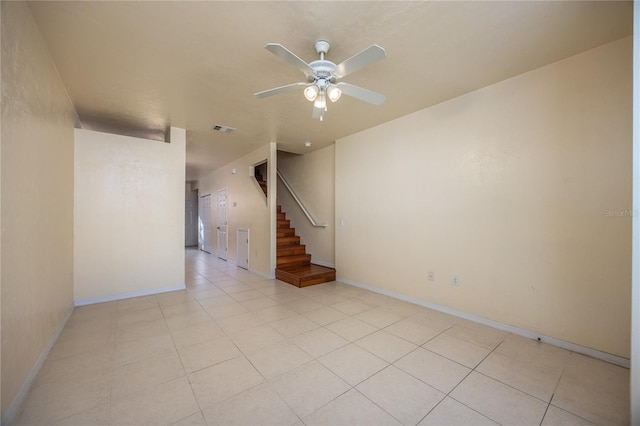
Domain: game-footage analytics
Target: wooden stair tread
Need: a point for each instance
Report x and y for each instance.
(306, 270)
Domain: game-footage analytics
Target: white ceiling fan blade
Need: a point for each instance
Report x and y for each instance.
(278, 90)
(284, 53)
(368, 56)
(365, 95)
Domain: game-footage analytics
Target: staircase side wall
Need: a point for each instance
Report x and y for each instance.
(312, 177)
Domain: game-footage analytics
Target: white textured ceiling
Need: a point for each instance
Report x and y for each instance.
(139, 67)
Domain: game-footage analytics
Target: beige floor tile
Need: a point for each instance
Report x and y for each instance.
(386, 346)
(256, 339)
(413, 331)
(161, 404)
(142, 330)
(208, 353)
(217, 301)
(224, 380)
(275, 313)
(329, 298)
(237, 323)
(98, 311)
(433, 369)
(304, 305)
(196, 333)
(558, 417)
(196, 419)
(379, 317)
(460, 351)
(137, 304)
(178, 321)
(350, 408)
(246, 295)
(498, 401)
(352, 307)
(294, 325)
(351, 329)
(594, 390)
(285, 297)
(206, 292)
(308, 387)
(325, 315)
(319, 342)
(143, 315)
(477, 334)
(77, 325)
(260, 405)
(79, 343)
(227, 281)
(352, 363)
(152, 371)
(54, 370)
(452, 413)
(226, 310)
(401, 395)
(184, 307)
(135, 350)
(236, 288)
(259, 303)
(54, 401)
(277, 359)
(171, 298)
(97, 416)
(530, 375)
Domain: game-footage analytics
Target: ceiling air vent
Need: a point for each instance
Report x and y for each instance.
(223, 129)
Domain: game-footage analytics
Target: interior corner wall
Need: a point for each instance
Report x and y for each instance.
(247, 207)
(37, 204)
(312, 177)
(129, 215)
(522, 188)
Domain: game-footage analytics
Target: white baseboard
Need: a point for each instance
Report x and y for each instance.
(323, 263)
(604, 356)
(271, 276)
(11, 415)
(129, 295)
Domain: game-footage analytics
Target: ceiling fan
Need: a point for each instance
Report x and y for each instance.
(323, 75)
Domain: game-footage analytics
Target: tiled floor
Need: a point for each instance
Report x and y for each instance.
(235, 348)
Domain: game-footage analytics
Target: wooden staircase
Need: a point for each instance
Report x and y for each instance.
(293, 264)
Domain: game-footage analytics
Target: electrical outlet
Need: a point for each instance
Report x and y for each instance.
(455, 280)
(432, 276)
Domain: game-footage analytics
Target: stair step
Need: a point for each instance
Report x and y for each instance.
(291, 250)
(293, 260)
(303, 276)
(287, 241)
(285, 232)
(283, 223)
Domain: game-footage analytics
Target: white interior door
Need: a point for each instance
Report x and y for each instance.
(222, 224)
(243, 248)
(204, 223)
(191, 223)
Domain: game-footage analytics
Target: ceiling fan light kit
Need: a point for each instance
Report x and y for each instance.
(322, 76)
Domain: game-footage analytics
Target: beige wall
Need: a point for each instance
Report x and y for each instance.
(37, 203)
(129, 215)
(312, 178)
(519, 188)
(247, 207)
